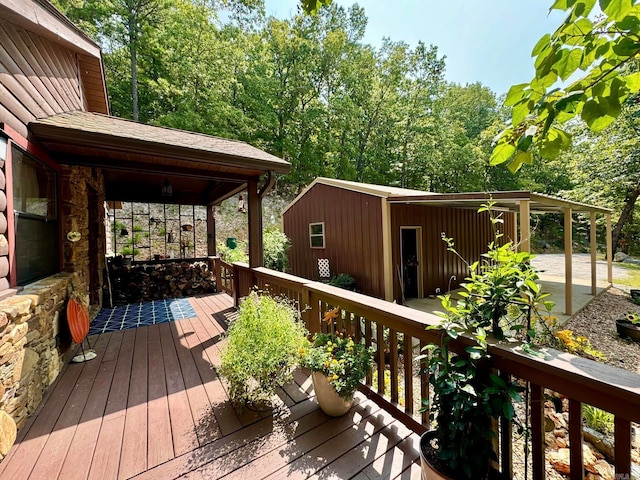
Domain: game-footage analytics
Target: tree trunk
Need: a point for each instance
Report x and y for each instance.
(629, 203)
(133, 42)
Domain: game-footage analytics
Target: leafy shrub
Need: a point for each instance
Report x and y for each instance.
(230, 255)
(598, 419)
(263, 347)
(275, 245)
(344, 280)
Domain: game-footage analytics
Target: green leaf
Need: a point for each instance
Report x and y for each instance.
(616, 9)
(515, 94)
(598, 115)
(568, 63)
(576, 32)
(633, 82)
(630, 23)
(562, 4)
(519, 113)
(520, 159)
(542, 44)
(569, 102)
(496, 380)
(501, 153)
(626, 47)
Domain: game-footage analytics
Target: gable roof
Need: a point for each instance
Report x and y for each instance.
(93, 130)
(382, 191)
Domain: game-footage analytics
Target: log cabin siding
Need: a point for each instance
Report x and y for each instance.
(38, 78)
(470, 230)
(353, 236)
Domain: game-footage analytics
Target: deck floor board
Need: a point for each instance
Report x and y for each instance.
(152, 406)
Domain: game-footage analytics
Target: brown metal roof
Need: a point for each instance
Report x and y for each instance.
(539, 203)
(92, 130)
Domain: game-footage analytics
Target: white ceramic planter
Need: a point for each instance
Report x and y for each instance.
(330, 402)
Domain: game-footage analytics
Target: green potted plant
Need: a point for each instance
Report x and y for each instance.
(264, 345)
(338, 364)
(498, 299)
(629, 326)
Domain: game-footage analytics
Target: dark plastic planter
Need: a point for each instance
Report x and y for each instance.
(429, 472)
(635, 296)
(627, 329)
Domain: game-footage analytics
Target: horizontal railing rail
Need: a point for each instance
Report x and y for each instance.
(396, 334)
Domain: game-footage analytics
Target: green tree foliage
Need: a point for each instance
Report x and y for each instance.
(599, 44)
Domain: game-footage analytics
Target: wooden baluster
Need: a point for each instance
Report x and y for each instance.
(407, 348)
(367, 342)
(357, 330)
(424, 386)
(314, 313)
(393, 364)
(304, 305)
(537, 432)
(348, 330)
(506, 440)
(340, 321)
(218, 271)
(575, 440)
(623, 448)
(381, 364)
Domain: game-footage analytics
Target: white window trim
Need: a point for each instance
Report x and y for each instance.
(316, 235)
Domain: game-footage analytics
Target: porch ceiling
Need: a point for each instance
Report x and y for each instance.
(136, 158)
(509, 201)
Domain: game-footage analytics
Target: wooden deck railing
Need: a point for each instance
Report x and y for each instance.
(393, 330)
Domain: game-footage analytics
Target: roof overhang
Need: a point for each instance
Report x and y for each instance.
(136, 158)
(507, 201)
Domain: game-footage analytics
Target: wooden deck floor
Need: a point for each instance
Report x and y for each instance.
(152, 406)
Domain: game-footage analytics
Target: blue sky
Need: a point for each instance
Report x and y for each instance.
(484, 40)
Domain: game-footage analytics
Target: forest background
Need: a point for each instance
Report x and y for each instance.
(310, 90)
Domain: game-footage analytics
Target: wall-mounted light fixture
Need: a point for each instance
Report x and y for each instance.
(167, 189)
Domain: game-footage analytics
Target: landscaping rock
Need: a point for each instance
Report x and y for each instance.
(8, 433)
(620, 257)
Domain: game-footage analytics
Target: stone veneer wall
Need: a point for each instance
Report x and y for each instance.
(76, 182)
(33, 336)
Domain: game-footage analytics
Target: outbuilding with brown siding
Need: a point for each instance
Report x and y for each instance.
(390, 239)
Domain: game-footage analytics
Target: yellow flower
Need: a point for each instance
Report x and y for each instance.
(335, 377)
(334, 361)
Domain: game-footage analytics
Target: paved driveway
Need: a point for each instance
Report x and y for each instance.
(553, 265)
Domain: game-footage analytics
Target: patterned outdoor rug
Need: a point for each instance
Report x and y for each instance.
(141, 314)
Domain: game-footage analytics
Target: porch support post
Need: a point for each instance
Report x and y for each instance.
(525, 226)
(568, 273)
(387, 264)
(609, 251)
(211, 231)
(592, 249)
(255, 225)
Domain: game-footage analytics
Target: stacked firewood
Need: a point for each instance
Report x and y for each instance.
(138, 283)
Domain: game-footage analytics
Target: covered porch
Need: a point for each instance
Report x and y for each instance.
(569, 296)
(152, 406)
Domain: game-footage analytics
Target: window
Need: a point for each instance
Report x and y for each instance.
(316, 235)
(36, 218)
